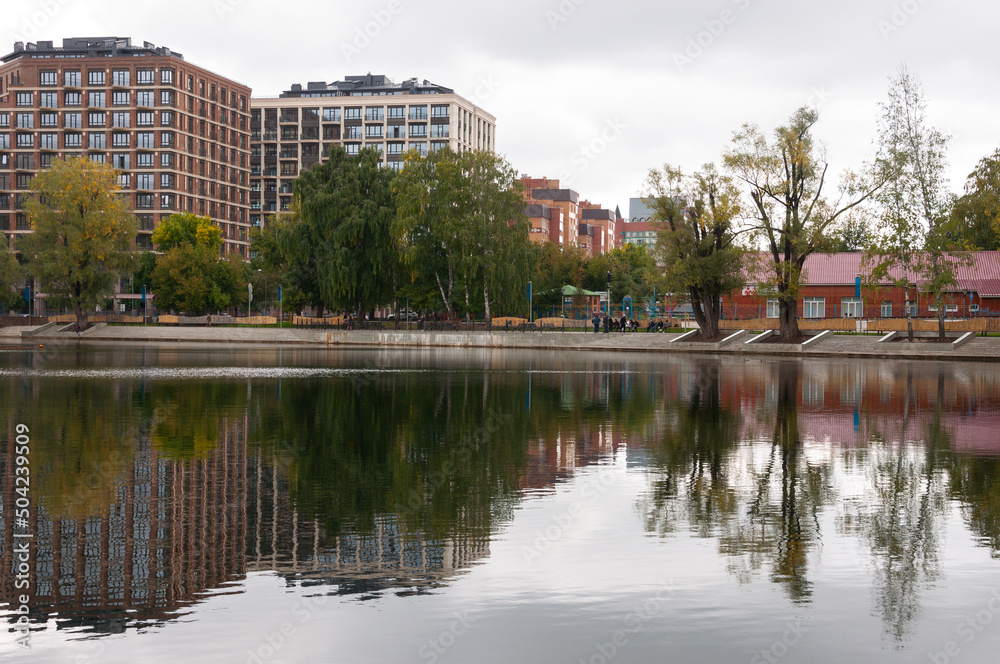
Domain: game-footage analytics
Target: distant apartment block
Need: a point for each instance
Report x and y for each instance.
(640, 228)
(296, 130)
(558, 215)
(178, 134)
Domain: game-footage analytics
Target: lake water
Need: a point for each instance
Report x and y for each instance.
(305, 505)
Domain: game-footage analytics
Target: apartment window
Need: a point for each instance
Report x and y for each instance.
(48, 99)
(144, 181)
(71, 79)
(167, 76)
(97, 141)
(397, 112)
(887, 309)
(144, 201)
(395, 148)
(25, 141)
(124, 179)
(374, 114)
(418, 130)
(772, 307)
(145, 76)
(145, 98)
(144, 160)
(166, 98)
(96, 119)
(121, 119)
(166, 118)
(378, 147)
(96, 99)
(25, 98)
(167, 139)
(352, 148)
(439, 111)
(144, 119)
(73, 120)
(166, 181)
(373, 131)
(49, 119)
(95, 77)
(120, 160)
(119, 139)
(120, 99)
(418, 112)
(24, 162)
(4, 120)
(166, 160)
(851, 307)
(166, 201)
(47, 78)
(440, 131)
(119, 77)
(72, 140)
(145, 222)
(49, 141)
(331, 115)
(144, 139)
(353, 133)
(437, 146)
(814, 307)
(72, 99)
(98, 158)
(353, 113)
(948, 308)
(4, 142)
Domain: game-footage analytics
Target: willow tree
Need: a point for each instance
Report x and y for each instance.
(785, 180)
(83, 231)
(345, 235)
(696, 242)
(10, 277)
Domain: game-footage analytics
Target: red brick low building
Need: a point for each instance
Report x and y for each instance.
(833, 287)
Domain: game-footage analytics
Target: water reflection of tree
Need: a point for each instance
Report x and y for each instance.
(186, 417)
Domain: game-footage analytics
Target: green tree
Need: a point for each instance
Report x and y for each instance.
(270, 252)
(785, 181)
(914, 204)
(697, 239)
(345, 236)
(191, 276)
(976, 214)
(633, 273)
(83, 232)
(556, 267)
(10, 278)
(187, 228)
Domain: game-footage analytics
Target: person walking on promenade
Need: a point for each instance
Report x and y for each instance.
(607, 324)
(623, 323)
(597, 323)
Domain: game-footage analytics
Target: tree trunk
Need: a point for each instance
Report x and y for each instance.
(788, 320)
(486, 299)
(909, 317)
(941, 335)
(445, 295)
(466, 301)
(705, 308)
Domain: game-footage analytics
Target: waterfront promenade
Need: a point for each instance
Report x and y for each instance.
(985, 349)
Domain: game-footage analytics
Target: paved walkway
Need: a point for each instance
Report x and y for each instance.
(979, 349)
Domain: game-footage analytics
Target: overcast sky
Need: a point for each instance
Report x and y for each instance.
(596, 91)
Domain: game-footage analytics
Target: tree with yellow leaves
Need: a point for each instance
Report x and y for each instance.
(83, 232)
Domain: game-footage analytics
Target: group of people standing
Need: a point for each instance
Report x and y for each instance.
(614, 325)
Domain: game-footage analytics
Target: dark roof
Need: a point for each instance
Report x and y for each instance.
(533, 211)
(597, 213)
(555, 195)
(364, 86)
(89, 46)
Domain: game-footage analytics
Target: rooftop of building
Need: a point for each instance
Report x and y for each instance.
(93, 47)
(597, 213)
(555, 195)
(366, 85)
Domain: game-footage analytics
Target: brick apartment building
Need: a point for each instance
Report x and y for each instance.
(558, 215)
(178, 134)
(295, 130)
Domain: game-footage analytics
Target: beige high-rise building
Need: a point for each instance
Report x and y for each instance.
(296, 130)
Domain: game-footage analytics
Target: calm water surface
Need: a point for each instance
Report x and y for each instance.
(290, 505)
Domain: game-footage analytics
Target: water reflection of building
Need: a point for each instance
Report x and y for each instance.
(389, 554)
(176, 529)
